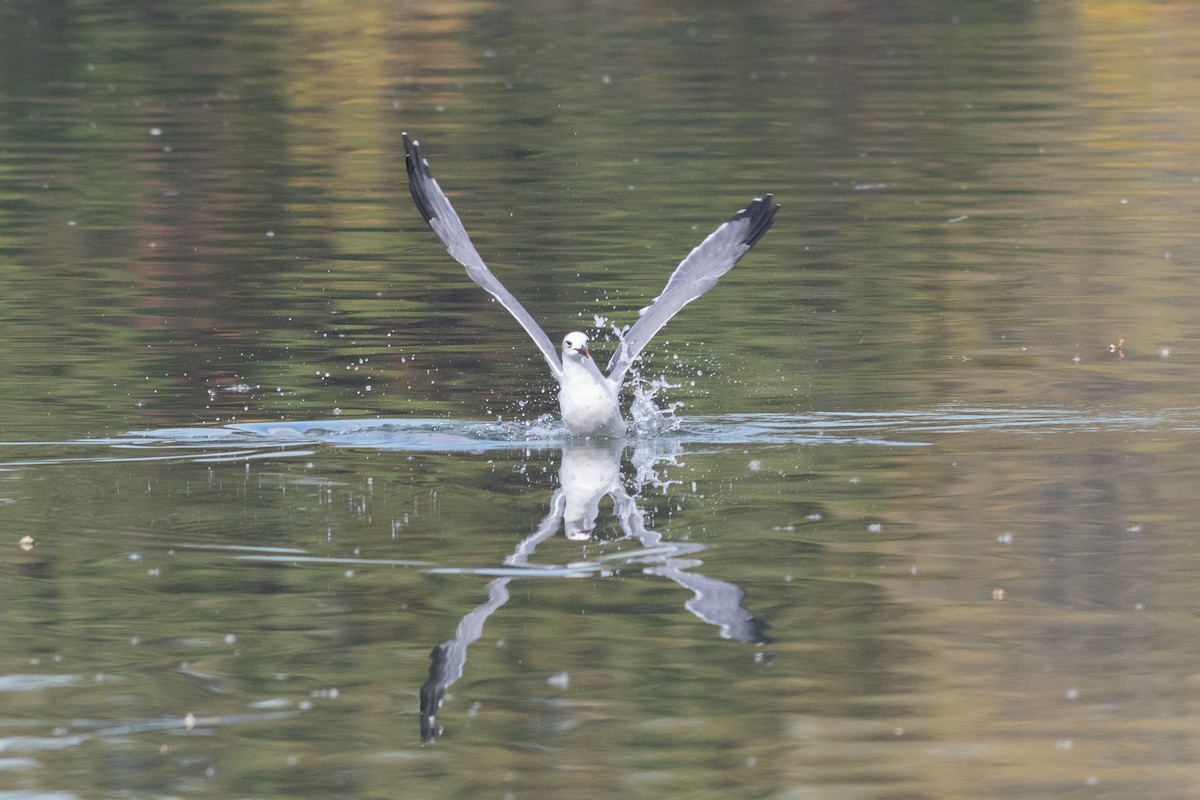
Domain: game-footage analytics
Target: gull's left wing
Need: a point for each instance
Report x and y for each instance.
(436, 209)
(694, 276)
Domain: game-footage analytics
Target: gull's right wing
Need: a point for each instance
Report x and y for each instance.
(436, 209)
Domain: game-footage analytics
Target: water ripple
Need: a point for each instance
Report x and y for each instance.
(259, 440)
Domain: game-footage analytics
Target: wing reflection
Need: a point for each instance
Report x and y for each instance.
(590, 471)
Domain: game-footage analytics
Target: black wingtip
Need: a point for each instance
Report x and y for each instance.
(418, 174)
(413, 158)
(411, 152)
(761, 213)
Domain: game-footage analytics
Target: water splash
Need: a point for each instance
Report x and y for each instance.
(650, 419)
(651, 459)
(547, 427)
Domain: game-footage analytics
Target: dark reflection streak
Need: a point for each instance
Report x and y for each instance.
(715, 601)
(589, 472)
(448, 658)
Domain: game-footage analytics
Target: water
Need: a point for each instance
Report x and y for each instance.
(285, 510)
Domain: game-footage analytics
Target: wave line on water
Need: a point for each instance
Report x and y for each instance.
(248, 441)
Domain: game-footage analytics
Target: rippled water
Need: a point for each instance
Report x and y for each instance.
(286, 508)
(247, 440)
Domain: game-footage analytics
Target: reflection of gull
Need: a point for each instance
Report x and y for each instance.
(590, 471)
(588, 399)
(715, 601)
(449, 657)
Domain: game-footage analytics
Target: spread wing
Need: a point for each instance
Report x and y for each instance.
(436, 209)
(694, 276)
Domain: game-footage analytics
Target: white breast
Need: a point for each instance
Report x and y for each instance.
(589, 402)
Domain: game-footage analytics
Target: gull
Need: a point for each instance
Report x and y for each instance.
(587, 398)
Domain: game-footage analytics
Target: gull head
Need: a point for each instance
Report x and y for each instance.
(575, 346)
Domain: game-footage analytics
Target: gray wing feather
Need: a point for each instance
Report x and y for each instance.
(436, 209)
(694, 276)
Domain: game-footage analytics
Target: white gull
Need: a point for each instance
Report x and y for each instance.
(586, 397)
